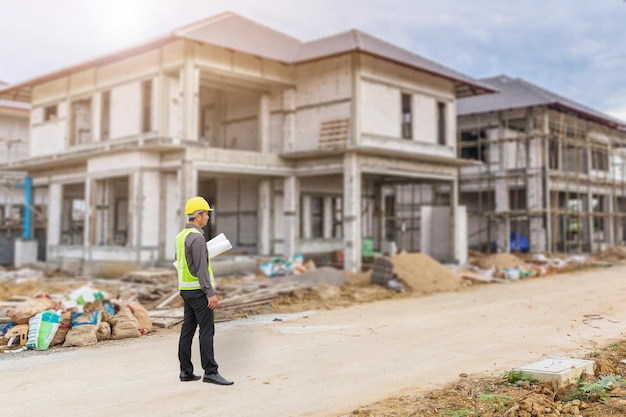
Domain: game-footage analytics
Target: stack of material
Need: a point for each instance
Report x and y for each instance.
(501, 261)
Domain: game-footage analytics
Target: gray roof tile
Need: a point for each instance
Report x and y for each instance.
(515, 93)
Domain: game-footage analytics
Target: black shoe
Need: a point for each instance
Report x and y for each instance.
(185, 376)
(216, 379)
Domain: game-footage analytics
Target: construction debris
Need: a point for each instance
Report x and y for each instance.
(152, 296)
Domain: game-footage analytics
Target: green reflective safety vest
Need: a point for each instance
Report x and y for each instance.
(186, 281)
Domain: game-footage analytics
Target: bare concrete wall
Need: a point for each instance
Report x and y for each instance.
(236, 211)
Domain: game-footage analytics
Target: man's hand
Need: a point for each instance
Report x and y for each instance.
(212, 302)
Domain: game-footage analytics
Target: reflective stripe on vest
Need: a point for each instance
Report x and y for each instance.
(186, 281)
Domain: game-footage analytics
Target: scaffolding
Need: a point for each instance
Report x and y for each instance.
(543, 176)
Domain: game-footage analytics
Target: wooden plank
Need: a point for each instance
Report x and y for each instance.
(166, 322)
(167, 299)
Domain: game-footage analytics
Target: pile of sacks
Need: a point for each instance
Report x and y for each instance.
(85, 318)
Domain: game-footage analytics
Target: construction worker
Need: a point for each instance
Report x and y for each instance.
(196, 285)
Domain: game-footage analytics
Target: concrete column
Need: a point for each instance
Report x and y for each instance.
(609, 227)
(90, 212)
(264, 218)
(502, 207)
(546, 178)
(306, 216)
(352, 213)
(590, 228)
(187, 178)
(289, 122)
(55, 208)
(501, 193)
(379, 215)
(191, 87)
(534, 188)
(103, 231)
(96, 117)
(264, 123)
(328, 218)
(355, 108)
(291, 193)
(135, 207)
(457, 245)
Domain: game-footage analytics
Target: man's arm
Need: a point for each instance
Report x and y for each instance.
(198, 264)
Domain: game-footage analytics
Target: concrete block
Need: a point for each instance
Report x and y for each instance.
(25, 252)
(559, 370)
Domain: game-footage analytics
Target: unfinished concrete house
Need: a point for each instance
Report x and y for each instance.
(14, 128)
(550, 175)
(299, 146)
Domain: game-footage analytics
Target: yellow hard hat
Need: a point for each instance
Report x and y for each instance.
(196, 203)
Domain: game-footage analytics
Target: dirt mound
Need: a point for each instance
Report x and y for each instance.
(327, 297)
(614, 253)
(421, 273)
(501, 261)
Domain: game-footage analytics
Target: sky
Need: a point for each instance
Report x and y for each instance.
(576, 48)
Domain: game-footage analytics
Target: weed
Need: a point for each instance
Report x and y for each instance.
(587, 391)
(456, 413)
(488, 389)
(498, 401)
(516, 377)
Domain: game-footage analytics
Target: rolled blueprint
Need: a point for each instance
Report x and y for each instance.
(219, 244)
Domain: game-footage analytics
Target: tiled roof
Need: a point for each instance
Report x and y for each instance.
(355, 40)
(515, 93)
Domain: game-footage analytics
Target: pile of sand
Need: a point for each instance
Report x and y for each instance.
(501, 261)
(421, 273)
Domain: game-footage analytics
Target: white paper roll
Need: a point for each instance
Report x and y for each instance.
(218, 245)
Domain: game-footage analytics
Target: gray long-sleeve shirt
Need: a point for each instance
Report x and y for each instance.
(198, 259)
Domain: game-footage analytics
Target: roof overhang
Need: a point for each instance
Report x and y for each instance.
(22, 91)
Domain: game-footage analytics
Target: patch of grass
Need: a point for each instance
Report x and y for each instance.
(498, 401)
(456, 413)
(516, 377)
(593, 391)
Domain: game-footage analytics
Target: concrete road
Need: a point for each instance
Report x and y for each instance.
(325, 363)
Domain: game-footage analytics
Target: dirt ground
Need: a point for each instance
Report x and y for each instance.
(477, 393)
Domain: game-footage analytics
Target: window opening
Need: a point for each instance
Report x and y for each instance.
(146, 114)
(105, 119)
(441, 123)
(407, 128)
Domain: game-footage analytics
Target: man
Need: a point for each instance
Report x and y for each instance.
(195, 283)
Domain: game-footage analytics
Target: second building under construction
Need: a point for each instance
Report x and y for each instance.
(549, 173)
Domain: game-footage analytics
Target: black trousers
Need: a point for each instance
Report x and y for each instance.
(197, 313)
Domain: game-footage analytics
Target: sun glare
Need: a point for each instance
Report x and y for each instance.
(123, 22)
